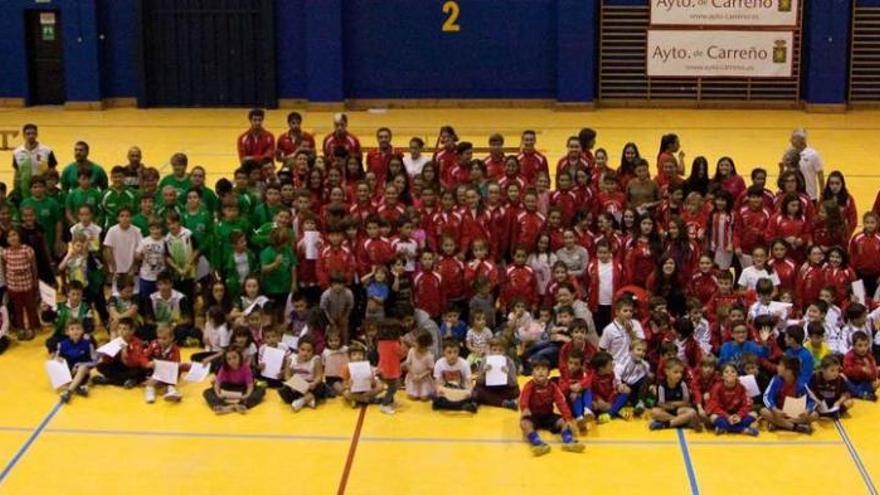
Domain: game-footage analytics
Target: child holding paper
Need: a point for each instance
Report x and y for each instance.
(783, 387)
(335, 359)
(233, 389)
(304, 366)
(356, 356)
(452, 378)
(831, 389)
(128, 368)
(729, 406)
(419, 366)
(162, 349)
(536, 411)
(497, 394)
(78, 353)
(272, 346)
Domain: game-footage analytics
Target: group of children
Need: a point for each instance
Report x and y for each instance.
(697, 301)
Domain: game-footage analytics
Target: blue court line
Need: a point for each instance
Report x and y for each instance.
(189, 434)
(866, 476)
(692, 477)
(24, 448)
(15, 428)
(775, 443)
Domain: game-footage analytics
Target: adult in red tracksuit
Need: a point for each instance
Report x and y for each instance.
(751, 229)
(531, 164)
(428, 293)
(341, 138)
(378, 159)
(335, 259)
(256, 143)
(519, 283)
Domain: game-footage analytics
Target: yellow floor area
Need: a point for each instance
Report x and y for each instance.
(114, 443)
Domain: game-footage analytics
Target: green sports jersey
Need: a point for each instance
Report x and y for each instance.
(223, 238)
(71, 173)
(48, 214)
(264, 213)
(246, 202)
(278, 281)
(111, 202)
(142, 222)
(201, 224)
(210, 200)
(161, 210)
(89, 197)
(181, 185)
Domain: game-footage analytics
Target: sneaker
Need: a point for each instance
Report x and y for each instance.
(626, 413)
(871, 396)
(387, 409)
(575, 447)
(129, 384)
(149, 394)
(313, 403)
(65, 396)
(639, 409)
(719, 430)
(656, 425)
(510, 404)
(581, 424)
(470, 406)
(540, 449)
(83, 390)
(603, 418)
(298, 404)
(752, 432)
(100, 380)
(172, 395)
(806, 429)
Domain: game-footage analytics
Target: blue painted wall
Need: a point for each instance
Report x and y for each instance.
(118, 25)
(290, 31)
(396, 48)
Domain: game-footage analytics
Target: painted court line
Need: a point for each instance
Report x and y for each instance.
(189, 434)
(689, 466)
(24, 448)
(866, 476)
(352, 449)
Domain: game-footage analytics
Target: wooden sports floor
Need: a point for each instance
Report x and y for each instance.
(114, 443)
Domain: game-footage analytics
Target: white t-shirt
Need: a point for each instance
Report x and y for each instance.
(457, 374)
(606, 284)
(811, 165)
(124, 244)
(616, 341)
(92, 232)
(242, 265)
(414, 167)
(152, 253)
(750, 276)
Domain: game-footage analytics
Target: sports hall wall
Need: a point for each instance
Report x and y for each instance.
(327, 52)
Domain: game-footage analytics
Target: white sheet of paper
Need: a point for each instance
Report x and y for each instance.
(794, 406)
(298, 383)
(48, 295)
(112, 348)
(361, 376)
(858, 289)
(197, 372)
(260, 301)
(780, 308)
(166, 371)
(495, 375)
(311, 239)
(824, 409)
(273, 361)
(455, 394)
(751, 385)
(290, 341)
(58, 373)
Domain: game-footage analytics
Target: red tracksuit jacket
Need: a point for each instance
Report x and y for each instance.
(751, 229)
(519, 282)
(724, 401)
(428, 292)
(335, 259)
(864, 253)
(531, 163)
(703, 286)
(373, 252)
(451, 271)
(853, 364)
(540, 399)
(592, 275)
(526, 228)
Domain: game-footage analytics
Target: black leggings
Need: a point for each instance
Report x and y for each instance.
(117, 373)
(289, 395)
(252, 400)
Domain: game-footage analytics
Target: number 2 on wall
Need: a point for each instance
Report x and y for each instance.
(450, 25)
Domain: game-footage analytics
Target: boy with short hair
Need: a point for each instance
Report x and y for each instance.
(787, 384)
(451, 372)
(674, 409)
(861, 369)
(536, 411)
(831, 388)
(162, 349)
(129, 367)
(73, 309)
(172, 308)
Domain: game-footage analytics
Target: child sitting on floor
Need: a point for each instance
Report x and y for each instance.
(729, 406)
(78, 353)
(452, 380)
(783, 386)
(674, 406)
(536, 411)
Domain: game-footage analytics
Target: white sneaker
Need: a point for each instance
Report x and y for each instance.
(388, 409)
(298, 404)
(150, 395)
(313, 403)
(172, 395)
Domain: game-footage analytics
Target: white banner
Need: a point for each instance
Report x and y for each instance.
(725, 12)
(686, 53)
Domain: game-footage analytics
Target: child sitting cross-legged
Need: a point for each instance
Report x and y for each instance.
(674, 407)
(831, 389)
(452, 379)
(234, 389)
(78, 353)
(536, 411)
(783, 386)
(357, 353)
(504, 395)
(729, 406)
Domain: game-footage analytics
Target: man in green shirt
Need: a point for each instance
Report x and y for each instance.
(265, 212)
(209, 198)
(168, 202)
(82, 162)
(84, 195)
(117, 196)
(246, 201)
(48, 213)
(178, 179)
(199, 221)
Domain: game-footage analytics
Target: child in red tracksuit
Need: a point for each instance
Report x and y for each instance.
(864, 252)
(725, 297)
(729, 406)
(451, 271)
(427, 287)
(861, 369)
(704, 282)
(162, 349)
(519, 281)
(578, 343)
(575, 383)
(701, 380)
(128, 368)
(375, 250)
(334, 258)
(527, 224)
(536, 411)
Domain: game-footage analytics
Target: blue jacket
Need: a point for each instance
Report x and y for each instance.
(772, 392)
(806, 364)
(731, 351)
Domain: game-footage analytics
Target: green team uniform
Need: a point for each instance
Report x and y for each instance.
(64, 313)
(48, 214)
(71, 173)
(264, 213)
(229, 271)
(278, 281)
(246, 202)
(180, 185)
(89, 197)
(142, 223)
(222, 238)
(201, 224)
(112, 201)
(210, 200)
(162, 209)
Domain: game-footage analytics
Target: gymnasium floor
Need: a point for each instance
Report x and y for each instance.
(114, 443)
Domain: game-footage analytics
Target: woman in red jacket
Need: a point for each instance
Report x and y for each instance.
(835, 189)
(641, 253)
(730, 407)
(864, 252)
(727, 178)
(811, 278)
(829, 228)
(791, 224)
(785, 267)
(838, 274)
(679, 247)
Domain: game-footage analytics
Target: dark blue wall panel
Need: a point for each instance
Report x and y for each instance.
(290, 53)
(396, 49)
(118, 25)
(825, 58)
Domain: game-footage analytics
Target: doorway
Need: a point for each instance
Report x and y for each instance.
(45, 57)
